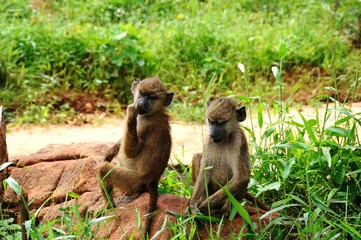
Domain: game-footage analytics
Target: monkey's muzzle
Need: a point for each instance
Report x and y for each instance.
(143, 108)
(216, 134)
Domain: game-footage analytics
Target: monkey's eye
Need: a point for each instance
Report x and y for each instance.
(211, 122)
(216, 122)
(152, 97)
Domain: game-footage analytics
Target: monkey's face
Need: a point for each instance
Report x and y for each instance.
(217, 130)
(150, 96)
(223, 116)
(145, 102)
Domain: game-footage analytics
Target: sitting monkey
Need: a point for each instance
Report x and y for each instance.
(226, 161)
(145, 147)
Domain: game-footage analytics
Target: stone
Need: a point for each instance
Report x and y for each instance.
(59, 177)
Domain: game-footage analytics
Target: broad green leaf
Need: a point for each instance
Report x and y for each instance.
(5, 165)
(288, 167)
(240, 209)
(331, 89)
(268, 133)
(73, 195)
(27, 225)
(274, 185)
(14, 185)
(282, 50)
(296, 145)
(271, 186)
(100, 219)
(298, 200)
(321, 205)
(276, 73)
(338, 131)
(207, 218)
(245, 99)
(309, 129)
(326, 154)
(338, 173)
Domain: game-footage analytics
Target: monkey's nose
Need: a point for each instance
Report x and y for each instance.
(216, 138)
(141, 110)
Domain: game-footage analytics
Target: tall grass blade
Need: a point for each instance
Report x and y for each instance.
(5, 165)
(240, 209)
(14, 185)
(277, 209)
(309, 129)
(321, 205)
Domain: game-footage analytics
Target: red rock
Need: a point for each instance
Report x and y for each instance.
(50, 175)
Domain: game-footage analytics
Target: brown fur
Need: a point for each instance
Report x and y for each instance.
(226, 162)
(145, 148)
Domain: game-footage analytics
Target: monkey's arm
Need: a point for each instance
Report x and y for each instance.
(199, 192)
(132, 143)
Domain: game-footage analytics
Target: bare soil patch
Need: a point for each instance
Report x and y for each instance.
(187, 138)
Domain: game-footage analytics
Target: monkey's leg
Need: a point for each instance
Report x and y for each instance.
(202, 180)
(106, 184)
(127, 180)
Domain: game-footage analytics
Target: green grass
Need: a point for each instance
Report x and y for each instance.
(307, 168)
(98, 47)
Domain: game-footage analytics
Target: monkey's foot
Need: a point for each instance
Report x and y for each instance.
(194, 208)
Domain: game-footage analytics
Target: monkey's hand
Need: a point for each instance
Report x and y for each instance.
(132, 112)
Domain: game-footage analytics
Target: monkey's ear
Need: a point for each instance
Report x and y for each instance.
(207, 103)
(241, 114)
(168, 100)
(134, 84)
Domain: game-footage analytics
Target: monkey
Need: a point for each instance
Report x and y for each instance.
(145, 147)
(225, 162)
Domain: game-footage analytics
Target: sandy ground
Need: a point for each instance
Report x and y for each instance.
(187, 138)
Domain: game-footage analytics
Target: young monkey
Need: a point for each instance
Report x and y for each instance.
(226, 160)
(145, 147)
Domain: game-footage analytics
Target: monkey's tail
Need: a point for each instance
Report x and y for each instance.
(153, 197)
(24, 216)
(256, 202)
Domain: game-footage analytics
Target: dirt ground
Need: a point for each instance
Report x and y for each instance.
(187, 138)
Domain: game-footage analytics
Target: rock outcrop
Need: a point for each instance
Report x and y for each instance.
(62, 176)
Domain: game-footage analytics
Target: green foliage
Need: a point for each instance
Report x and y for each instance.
(9, 230)
(48, 48)
(308, 168)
